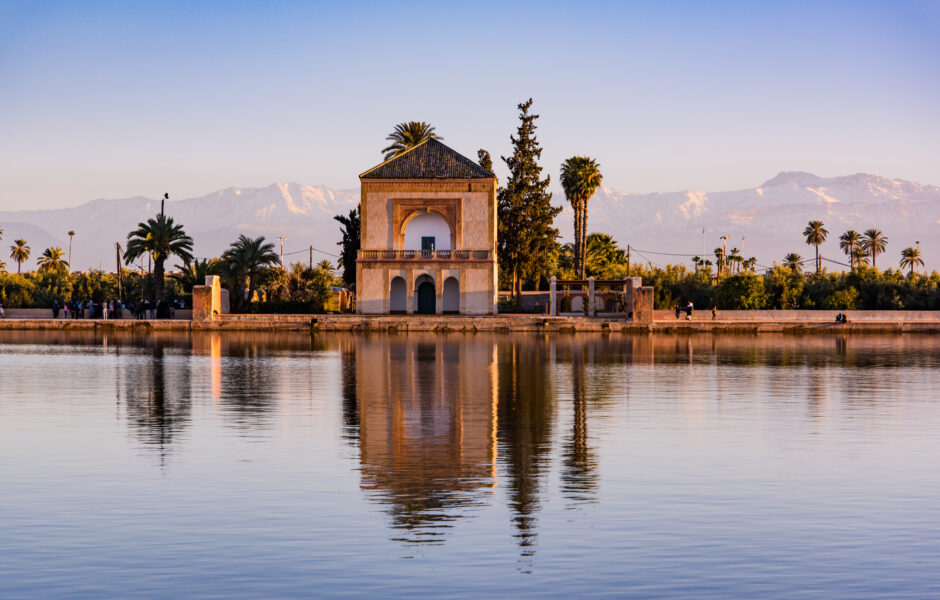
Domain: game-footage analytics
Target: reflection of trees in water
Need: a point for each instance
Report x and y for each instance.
(248, 386)
(158, 402)
(422, 406)
(351, 419)
(579, 475)
(526, 404)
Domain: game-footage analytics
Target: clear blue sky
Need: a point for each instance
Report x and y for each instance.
(115, 99)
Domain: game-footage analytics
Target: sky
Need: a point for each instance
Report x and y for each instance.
(121, 99)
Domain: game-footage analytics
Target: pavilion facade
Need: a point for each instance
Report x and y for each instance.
(428, 235)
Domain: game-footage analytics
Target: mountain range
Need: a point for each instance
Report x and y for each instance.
(765, 221)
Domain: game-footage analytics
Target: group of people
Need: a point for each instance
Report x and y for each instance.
(688, 311)
(112, 309)
(77, 309)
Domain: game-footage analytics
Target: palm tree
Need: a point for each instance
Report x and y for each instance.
(910, 257)
(325, 267)
(19, 252)
(874, 243)
(245, 257)
(735, 259)
(580, 178)
(71, 235)
(848, 242)
(860, 256)
(720, 260)
(52, 259)
(793, 260)
(815, 235)
(194, 273)
(160, 238)
(602, 253)
(408, 135)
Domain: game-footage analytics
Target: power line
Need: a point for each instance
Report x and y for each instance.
(664, 253)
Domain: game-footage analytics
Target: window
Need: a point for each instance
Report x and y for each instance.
(427, 243)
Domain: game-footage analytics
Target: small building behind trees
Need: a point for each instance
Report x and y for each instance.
(428, 238)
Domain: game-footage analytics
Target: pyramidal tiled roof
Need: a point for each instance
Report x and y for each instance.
(428, 160)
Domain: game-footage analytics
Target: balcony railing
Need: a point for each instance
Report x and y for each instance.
(425, 255)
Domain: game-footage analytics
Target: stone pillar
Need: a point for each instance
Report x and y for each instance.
(553, 296)
(439, 292)
(410, 292)
(207, 300)
(590, 298)
(643, 304)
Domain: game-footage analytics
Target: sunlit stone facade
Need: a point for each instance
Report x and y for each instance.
(428, 236)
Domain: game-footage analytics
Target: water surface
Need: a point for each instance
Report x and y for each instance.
(468, 466)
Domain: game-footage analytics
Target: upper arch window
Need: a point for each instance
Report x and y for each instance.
(427, 225)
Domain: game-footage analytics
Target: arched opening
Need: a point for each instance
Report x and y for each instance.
(451, 296)
(426, 295)
(427, 231)
(397, 296)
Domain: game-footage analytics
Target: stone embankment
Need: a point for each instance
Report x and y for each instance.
(883, 322)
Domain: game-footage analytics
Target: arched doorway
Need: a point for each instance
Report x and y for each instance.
(451, 296)
(397, 296)
(426, 295)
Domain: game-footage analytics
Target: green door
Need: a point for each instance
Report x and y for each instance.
(426, 298)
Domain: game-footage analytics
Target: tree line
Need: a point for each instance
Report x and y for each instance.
(250, 269)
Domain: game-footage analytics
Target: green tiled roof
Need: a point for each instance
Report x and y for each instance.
(428, 160)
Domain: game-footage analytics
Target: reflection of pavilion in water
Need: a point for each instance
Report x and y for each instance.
(427, 427)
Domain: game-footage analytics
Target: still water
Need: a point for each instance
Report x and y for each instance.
(469, 466)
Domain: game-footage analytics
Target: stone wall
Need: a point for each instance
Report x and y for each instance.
(881, 316)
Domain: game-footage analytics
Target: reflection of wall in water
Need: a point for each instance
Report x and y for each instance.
(427, 426)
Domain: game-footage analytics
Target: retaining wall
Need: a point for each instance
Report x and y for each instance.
(881, 316)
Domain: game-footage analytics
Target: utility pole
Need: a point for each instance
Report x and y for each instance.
(311, 257)
(628, 260)
(282, 238)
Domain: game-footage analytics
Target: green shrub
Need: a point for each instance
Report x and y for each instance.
(744, 291)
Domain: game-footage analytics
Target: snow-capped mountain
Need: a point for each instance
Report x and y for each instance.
(661, 227)
(303, 214)
(770, 218)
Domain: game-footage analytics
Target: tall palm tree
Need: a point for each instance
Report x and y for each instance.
(793, 260)
(910, 257)
(19, 252)
(815, 234)
(580, 178)
(52, 259)
(720, 260)
(71, 235)
(408, 135)
(160, 238)
(245, 258)
(735, 259)
(874, 242)
(848, 242)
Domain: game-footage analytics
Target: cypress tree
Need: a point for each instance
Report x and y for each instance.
(527, 241)
(484, 160)
(350, 244)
